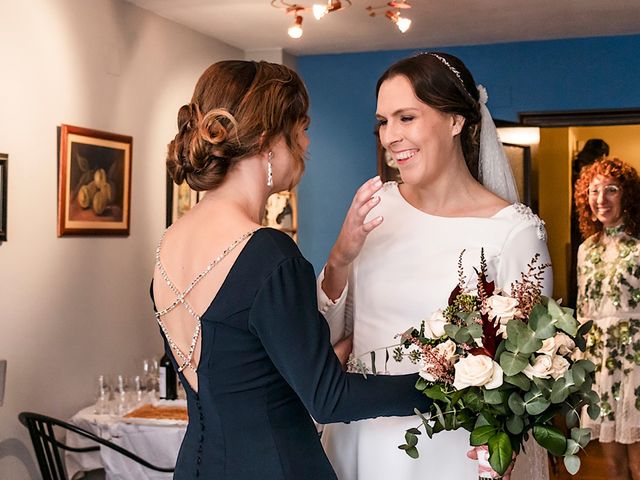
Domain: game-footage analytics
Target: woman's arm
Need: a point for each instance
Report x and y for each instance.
(351, 238)
(296, 337)
(334, 299)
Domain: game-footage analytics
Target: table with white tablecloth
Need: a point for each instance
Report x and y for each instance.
(157, 441)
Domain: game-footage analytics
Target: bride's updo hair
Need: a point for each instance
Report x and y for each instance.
(444, 83)
(238, 109)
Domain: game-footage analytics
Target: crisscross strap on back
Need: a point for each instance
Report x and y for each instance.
(187, 358)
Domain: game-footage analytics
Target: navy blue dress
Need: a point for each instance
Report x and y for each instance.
(266, 364)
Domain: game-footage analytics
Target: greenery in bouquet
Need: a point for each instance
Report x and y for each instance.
(502, 367)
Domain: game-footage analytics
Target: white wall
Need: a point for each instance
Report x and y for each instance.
(71, 308)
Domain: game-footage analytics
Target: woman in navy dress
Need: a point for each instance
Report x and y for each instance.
(237, 303)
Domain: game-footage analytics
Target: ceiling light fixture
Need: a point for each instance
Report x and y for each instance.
(393, 13)
(318, 10)
(295, 31)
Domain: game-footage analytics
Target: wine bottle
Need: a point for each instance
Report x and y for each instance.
(168, 380)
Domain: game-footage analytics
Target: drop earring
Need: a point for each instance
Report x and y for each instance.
(269, 170)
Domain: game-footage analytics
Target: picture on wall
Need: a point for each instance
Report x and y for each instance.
(94, 182)
(180, 199)
(281, 213)
(4, 160)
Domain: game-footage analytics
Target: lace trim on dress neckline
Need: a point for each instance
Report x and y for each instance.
(187, 359)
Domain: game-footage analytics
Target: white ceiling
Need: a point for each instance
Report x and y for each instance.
(255, 24)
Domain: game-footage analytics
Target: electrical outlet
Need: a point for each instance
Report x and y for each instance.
(3, 377)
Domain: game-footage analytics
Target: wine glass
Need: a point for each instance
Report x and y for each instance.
(121, 394)
(139, 390)
(103, 397)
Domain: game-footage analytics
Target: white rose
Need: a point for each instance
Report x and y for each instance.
(477, 371)
(434, 326)
(447, 350)
(565, 343)
(559, 366)
(541, 367)
(502, 308)
(549, 347)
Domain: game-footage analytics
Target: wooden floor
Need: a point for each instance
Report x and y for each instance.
(592, 467)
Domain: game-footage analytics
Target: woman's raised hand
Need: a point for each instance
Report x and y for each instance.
(351, 238)
(354, 229)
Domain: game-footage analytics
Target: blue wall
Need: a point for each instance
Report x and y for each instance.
(574, 74)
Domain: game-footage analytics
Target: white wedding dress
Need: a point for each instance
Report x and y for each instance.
(405, 271)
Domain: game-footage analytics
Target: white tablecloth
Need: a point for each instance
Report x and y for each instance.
(156, 442)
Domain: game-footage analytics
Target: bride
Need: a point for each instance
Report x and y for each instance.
(395, 260)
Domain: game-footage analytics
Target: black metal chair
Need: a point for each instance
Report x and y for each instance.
(47, 446)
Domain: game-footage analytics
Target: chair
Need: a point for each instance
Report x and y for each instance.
(47, 446)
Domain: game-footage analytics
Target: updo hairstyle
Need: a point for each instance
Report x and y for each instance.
(437, 85)
(238, 109)
(627, 177)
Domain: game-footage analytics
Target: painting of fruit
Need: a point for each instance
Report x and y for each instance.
(95, 174)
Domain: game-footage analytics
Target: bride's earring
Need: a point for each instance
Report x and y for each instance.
(269, 170)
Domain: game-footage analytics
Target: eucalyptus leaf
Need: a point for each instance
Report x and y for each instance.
(500, 452)
(475, 330)
(543, 325)
(515, 425)
(516, 404)
(412, 452)
(572, 418)
(513, 363)
(593, 411)
(421, 384)
(579, 375)
(527, 341)
(451, 330)
(581, 435)
(411, 438)
(544, 385)
(560, 391)
(535, 403)
(492, 397)
(587, 365)
(520, 380)
(572, 447)
(550, 438)
(568, 324)
(572, 464)
(481, 435)
(462, 335)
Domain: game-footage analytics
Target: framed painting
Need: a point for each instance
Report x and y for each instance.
(180, 199)
(281, 213)
(94, 182)
(4, 161)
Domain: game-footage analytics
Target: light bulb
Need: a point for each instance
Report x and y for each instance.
(319, 11)
(295, 31)
(403, 24)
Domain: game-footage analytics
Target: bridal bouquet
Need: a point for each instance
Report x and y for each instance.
(502, 366)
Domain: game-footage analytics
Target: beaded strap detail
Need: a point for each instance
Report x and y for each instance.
(187, 359)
